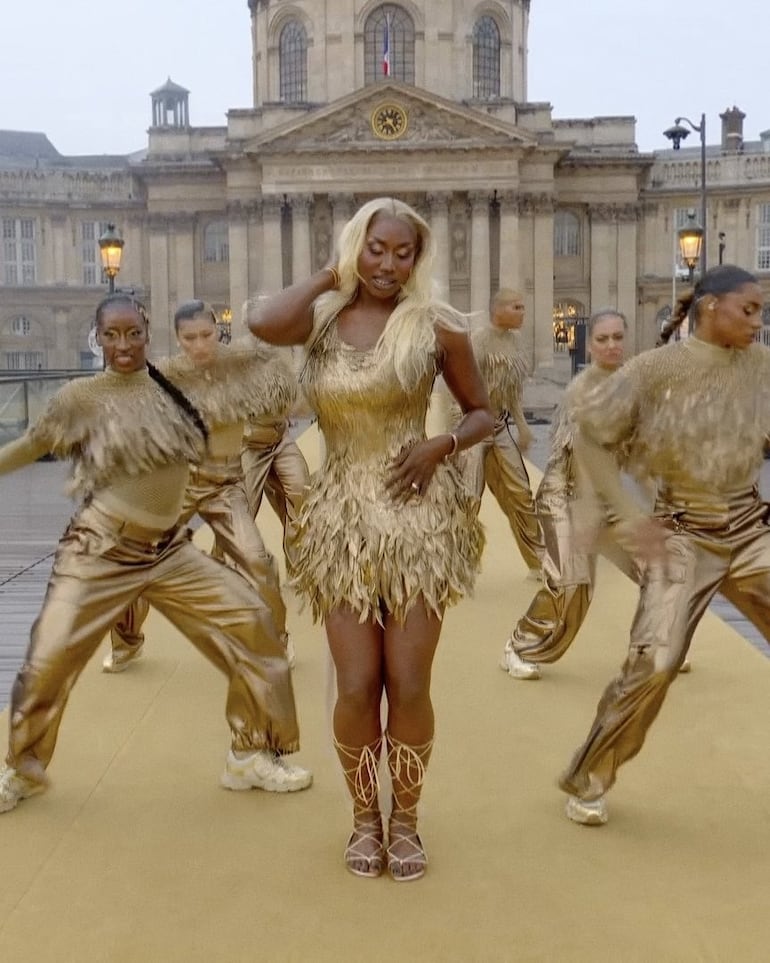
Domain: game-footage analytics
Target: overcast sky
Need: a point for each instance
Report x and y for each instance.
(81, 71)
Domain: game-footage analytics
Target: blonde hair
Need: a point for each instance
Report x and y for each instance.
(409, 337)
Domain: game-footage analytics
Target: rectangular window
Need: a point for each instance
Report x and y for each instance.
(90, 232)
(23, 360)
(19, 250)
(763, 238)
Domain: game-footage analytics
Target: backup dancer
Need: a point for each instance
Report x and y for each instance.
(130, 434)
(497, 461)
(695, 415)
(228, 385)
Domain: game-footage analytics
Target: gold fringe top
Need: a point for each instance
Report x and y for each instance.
(245, 381)
(696, 414)
(503, 365)
(115, 425)
(563, 427)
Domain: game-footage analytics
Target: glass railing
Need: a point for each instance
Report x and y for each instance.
(25, 394)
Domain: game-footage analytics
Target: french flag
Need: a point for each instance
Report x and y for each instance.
(386, 48)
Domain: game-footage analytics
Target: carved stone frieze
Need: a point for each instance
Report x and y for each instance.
(541, 203)
(613, 213)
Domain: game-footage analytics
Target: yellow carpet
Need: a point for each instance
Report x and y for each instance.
(136, 854)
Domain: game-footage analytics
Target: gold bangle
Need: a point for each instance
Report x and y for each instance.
(335, 276)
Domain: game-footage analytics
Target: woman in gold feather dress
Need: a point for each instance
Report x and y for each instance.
(388, 536)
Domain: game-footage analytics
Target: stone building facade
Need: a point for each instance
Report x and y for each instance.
(352, 99)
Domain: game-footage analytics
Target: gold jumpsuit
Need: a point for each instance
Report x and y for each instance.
(130, 444)
(497, 461)
(553, 619)
(241, 382)
(274, 465)
(697, 415)
(355, 545)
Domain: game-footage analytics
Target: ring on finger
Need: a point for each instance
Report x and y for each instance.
(415, 487)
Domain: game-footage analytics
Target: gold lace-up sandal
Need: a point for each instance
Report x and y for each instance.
(364, 853)
(407, 771)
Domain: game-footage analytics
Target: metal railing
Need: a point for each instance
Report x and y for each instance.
(25, 394)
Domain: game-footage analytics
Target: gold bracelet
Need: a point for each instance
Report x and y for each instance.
(335, 276)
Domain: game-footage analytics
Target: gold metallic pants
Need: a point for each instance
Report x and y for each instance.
(218, 497)
(714, 546)
(497, 462)
(277, 468)
(102, 565)
(554, 617)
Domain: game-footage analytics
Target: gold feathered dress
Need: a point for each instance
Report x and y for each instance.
(697, 415)
(496, 461)
(355, 545)
(130, 443)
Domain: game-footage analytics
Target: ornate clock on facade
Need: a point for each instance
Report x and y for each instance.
(389, 121)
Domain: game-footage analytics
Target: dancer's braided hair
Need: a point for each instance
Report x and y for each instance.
(178, 396)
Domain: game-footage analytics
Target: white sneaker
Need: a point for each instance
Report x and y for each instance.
(515, 666)
(587, 812)
(112, 664)
(264, 769)
(14, 788)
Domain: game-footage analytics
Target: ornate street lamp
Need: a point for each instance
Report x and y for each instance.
(111, 251)
(691, 238)
(224, 326)
(676, 135)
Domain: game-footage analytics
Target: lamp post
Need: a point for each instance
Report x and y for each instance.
(676, 135)
(691, 238)
(224, 326)
(111, 252)
(722, 246)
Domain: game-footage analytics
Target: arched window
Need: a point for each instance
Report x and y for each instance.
(292, 52)
(216, 242)
(566, 234)
(486, 59)
(389, 45)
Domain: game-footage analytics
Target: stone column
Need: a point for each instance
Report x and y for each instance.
(540, 206)
(272, 252)
(56, 264)
(439, 222)
(603, 254)
(626, 298)
(343, 206)
(510, 255)
(300, 216)
(238, 238)
(480, 277)
(160, 306)
(184, 253)
(255, 246)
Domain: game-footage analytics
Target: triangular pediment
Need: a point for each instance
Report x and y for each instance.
(392, 115)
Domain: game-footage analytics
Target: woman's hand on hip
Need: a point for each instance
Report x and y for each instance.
(412, 469)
